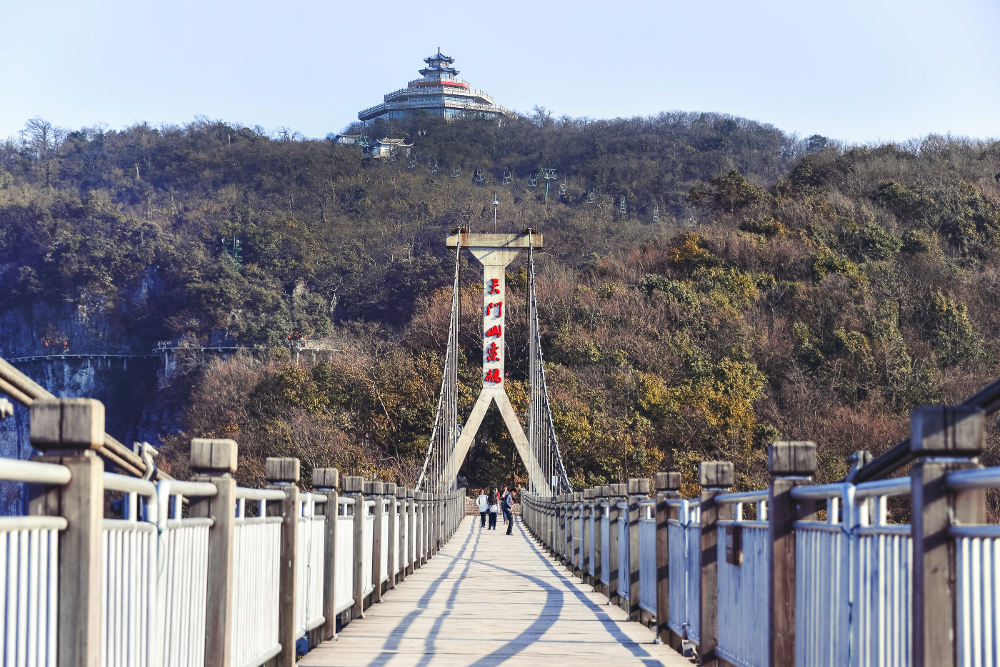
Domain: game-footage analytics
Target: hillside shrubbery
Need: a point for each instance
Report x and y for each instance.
(782, 294)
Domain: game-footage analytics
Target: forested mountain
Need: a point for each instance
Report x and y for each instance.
(708, 283)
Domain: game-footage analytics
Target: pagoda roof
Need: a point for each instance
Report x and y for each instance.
(438, 57)
(434, 69)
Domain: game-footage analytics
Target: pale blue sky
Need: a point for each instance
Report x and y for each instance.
(854, 70)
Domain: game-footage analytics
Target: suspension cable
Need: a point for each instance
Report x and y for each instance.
(438, 452)
(540, 393)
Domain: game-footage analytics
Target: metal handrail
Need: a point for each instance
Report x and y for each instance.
(819, 491)
(679, 502)
(176, 487)
(126, 484)
(34, 472)
(899, 486)
(742, 497)
(978, 478)
(13, 523)
(244, 493)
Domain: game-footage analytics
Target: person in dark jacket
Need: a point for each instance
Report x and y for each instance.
(507, 504)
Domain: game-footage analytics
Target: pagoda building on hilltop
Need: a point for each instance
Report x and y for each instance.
(438, 93)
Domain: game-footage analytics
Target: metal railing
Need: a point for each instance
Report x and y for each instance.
(977, 576)
(367, 545)
(188, 573)
(29, 569)
(799, 573)
(605, 544)
(256, 578)
(310, 552)
(853, 577)
(647, 557)
(623, 551)
(181, 575)
(345, 553)
(743, 557)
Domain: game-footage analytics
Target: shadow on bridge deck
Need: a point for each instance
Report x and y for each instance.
(488, 599)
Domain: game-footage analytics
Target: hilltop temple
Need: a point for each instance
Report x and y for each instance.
(438, 93)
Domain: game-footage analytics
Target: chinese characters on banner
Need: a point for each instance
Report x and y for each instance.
(492, 348)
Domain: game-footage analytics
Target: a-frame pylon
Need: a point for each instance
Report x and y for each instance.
(495, 252)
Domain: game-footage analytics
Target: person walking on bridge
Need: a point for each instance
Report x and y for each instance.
(483, 503)
(494, 506)
(507, 503)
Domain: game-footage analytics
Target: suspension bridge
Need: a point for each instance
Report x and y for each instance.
(895, 565)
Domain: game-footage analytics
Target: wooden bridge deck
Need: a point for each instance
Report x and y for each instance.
(488, 599)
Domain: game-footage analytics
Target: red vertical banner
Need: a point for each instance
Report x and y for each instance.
(493, 288)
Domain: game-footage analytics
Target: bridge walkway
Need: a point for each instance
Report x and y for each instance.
(488, 599)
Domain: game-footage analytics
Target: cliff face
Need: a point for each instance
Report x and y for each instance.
(128, 389)
(84, 323)
(60, 346)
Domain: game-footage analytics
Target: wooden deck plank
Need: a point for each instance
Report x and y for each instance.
(487, 599)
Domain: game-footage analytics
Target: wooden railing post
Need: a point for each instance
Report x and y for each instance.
(614, 513)
(447, 508)
(214, 461)
(587, 512)
(354, 487)
(566, 545)
(560, 516)
(715, 477)
(375, 489)
(944, 438)
(392, 553)
(283, 473)
(401, 521)
(549, 509)
(668, 486)
(439, 505)
(432, 520)
(418, 500)
(638, 489)
(791, 463)
(600, 496)
(567, 527)
(612, 573)
(411, 533)
(553, 541)
(429, 525)
(325, 481)
(576, 535)
(70, 431)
